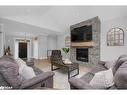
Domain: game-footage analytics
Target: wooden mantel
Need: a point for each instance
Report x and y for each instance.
(82, 44)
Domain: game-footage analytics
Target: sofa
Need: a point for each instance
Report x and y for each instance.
(11, 79)
(119, 69)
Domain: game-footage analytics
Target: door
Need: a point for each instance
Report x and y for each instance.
(23, 50)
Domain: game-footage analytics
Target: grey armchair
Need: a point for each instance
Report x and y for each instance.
(9, 76)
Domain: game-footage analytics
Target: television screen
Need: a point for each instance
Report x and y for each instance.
(81, 34)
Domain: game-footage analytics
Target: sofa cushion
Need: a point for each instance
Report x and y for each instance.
(97, 68)
(87, 77)
(119, 62)
(110, 64)
(7, 58)
(120, 77)
(3, 82)
(102, 79)
(10, 72)
(79, 83)
(37, 70)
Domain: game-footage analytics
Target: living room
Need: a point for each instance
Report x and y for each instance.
(33, 33)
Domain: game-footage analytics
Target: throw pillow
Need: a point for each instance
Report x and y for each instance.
(67, 61)
(21, 65)
(102, 79)
(28, 73)
(25, 71)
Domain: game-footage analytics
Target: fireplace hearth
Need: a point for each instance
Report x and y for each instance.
(82, 54)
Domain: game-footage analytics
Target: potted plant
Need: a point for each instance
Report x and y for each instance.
(66, 50)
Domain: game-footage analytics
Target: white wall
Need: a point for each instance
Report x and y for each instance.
(49, 42)
(42, 47)
(61, 43)
(39, 49)
(106, 52)
(15, 29)
(10, 41)
(112, 52)
(52, 42)
(61, 40)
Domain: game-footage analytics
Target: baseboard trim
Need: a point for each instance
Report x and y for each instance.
(43, 58)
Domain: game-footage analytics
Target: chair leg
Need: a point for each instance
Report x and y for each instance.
(51, 67)
(77, 71)
(68, 74)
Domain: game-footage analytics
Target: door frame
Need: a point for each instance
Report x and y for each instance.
(16, 47)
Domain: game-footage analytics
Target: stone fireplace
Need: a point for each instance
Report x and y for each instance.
(87, 54)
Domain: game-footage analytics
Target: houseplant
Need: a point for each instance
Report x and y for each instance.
(66, 50)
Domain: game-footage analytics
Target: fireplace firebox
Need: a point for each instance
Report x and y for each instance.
(82, 54)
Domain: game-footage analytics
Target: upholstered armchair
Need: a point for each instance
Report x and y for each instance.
(56, 59)
(10, 77)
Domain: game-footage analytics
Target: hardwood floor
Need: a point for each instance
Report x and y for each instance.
(60, 77)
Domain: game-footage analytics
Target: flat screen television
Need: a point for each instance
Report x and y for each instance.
(82, 34)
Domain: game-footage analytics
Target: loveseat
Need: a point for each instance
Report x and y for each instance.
(11, 79)
(119, 69)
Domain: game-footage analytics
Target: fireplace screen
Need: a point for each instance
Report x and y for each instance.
(82, 54)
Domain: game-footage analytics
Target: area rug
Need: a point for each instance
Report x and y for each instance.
(60, 77)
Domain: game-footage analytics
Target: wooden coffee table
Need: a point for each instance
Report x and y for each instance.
(66, 67)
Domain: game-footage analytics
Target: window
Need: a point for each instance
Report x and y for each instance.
(115, 37)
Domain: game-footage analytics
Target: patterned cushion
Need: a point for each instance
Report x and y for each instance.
(102, 79)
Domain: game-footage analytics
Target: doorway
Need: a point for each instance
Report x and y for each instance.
(23, 50)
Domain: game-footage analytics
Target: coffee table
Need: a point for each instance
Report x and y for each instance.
(66, 67)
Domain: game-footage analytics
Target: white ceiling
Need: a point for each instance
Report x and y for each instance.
(59, 18)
